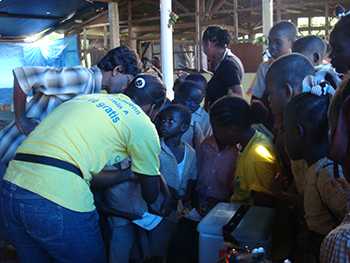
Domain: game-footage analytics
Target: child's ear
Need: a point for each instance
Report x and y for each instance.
(184, 127)
(288, 91)
(118, 69)
(340, 139)
(316, 58)
(301, 130)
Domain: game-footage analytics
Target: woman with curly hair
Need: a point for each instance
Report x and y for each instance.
(52, 86)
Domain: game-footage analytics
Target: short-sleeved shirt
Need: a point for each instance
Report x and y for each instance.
(325, 204)
(90, 132)
(169, 165)
(171, 174)
(255, 169)
(199, 129)
(299, 169)
(259, 86)
(49, 87)
(215, 170)
(229, 73)
(335, 247)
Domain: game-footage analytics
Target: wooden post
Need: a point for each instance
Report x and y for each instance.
(105, 38)
(278, 11)
(204, 60)
(267, 9)
(113, 18)
(85, 47)
(130, 22)
(309, 28)
(79, 46)
(326, 11)
(198, 50)
(235, 18)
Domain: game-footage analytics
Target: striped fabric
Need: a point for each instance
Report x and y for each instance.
(336, 246)
(49, 87)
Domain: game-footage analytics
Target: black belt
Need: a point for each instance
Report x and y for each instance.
(32, 158)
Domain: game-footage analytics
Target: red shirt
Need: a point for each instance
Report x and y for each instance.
(215, 170)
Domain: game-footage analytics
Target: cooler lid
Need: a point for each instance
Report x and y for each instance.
(219, 216)
(256, 224)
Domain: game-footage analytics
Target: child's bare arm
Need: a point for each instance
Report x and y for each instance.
(190, 187)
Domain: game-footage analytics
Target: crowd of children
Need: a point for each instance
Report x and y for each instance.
(287, 149)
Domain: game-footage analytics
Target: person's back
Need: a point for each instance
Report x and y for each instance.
(325, 205)
(114, 118)
(215, 174)
(52, 86)
(48, 182)
(306, 127)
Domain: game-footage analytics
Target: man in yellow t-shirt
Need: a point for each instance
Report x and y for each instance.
(47, 183)
(256, 164)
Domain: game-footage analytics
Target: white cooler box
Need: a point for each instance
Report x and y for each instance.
(253, 231)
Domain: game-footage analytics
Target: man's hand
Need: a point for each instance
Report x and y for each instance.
(106, 179)
(26, 125)
(279, 184)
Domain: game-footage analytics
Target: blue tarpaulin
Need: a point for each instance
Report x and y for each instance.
(58, 53)
(22, 18)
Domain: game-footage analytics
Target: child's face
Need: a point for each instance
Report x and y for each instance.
(191, 100)
(279, 44)
(170, 124)
(209, 49)
(340, 54)
(227, 136)
(278, 96)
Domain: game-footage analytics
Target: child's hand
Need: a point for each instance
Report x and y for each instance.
(279, 184)
(167, 207)
(342, 183)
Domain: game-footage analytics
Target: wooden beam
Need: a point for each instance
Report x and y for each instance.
(156, 28)
(235, 18)
(278, 10)
(85, 47)
(105, 37)
(181, 6)
(217, 7)
(209, 7)
(113, 18)
(129, 21)
(103, 1)
(267, 15)
(326, 11)
(198, 50)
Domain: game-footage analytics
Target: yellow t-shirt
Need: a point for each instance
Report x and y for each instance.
(90, 132)
(256, 168)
